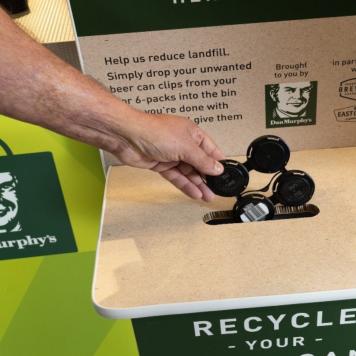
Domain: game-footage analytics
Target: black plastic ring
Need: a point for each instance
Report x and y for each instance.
(232, 182)
(293, 188)
(268, 154)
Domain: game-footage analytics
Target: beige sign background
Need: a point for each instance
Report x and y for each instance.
(223, 88)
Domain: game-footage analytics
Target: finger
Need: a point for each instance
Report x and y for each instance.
(211, 149)
(208, 195)
(196, 157)
(181, 182)
(202, 139)
(196, 178)
(164, 166)
(188, 171)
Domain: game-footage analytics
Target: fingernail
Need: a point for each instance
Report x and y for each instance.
(218, 167)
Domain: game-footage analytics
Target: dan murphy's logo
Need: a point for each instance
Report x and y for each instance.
(33, 216)
(347, 89)
(346, 114)
(291, 104)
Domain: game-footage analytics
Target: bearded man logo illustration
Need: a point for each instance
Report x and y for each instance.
(9, 204)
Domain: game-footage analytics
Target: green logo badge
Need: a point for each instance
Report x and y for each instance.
(291, 104)
(33, 217)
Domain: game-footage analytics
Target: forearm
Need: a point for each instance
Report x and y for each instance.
(38, 87)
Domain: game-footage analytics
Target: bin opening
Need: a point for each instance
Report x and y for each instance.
(281, 213)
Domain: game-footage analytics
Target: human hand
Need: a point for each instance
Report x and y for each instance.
(174, 147)
(60, 98)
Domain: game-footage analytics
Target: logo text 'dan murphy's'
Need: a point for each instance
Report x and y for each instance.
(28, 241)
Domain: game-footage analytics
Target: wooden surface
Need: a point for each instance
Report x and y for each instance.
(155, 248)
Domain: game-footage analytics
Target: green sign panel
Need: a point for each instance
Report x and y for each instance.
(45, 301)
(33, 215)
(318, 329)
(97, 17)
